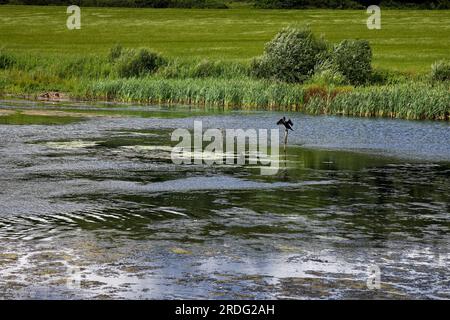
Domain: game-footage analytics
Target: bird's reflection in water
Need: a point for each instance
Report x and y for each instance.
(283, 169)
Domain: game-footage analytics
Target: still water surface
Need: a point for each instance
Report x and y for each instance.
(91, 206)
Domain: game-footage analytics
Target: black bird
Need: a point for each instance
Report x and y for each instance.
(287, 124)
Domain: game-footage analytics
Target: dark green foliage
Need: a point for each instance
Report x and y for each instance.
(295, 54)
(305, 4)
(351, 4)
(416, 4)
(212, 4)
(200, 4)
(291, 56)
(260, 68)
(353, 59)
(135, 63)
(266, 4)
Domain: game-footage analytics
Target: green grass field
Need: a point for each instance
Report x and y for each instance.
(409, 40)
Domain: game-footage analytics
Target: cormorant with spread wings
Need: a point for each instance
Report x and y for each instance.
(287, 124)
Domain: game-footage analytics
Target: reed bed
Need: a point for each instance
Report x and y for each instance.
(229, 93)
(404, 100)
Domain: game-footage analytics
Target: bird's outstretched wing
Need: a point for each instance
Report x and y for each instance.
(280, 121)
(289, 125)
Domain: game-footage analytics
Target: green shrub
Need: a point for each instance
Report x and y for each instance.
(6, 60)
(307, 4)
(440, 70)
(260, 67)
(200, 4)
(351, 4)
(135, 63)
(291, 56)
(353, 59)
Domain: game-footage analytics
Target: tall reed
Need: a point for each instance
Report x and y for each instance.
(229, 93)
(405, 100)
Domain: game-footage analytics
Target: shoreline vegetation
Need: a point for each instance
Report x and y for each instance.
(396, 97)
(297, 71)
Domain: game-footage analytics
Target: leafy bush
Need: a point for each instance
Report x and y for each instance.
(200, 4)
(416, 4)
(351, 4)
(291, 56)
(353, 59)
(440, 70)
(135, 63)
(305, 4)
(260, 67)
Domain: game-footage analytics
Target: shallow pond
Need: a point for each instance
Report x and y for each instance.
(91, 206)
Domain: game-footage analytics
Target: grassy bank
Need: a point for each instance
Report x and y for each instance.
(405, 100)
(205, 64)
(228, 85)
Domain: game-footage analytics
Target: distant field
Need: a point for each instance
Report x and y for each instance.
(409, 40)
